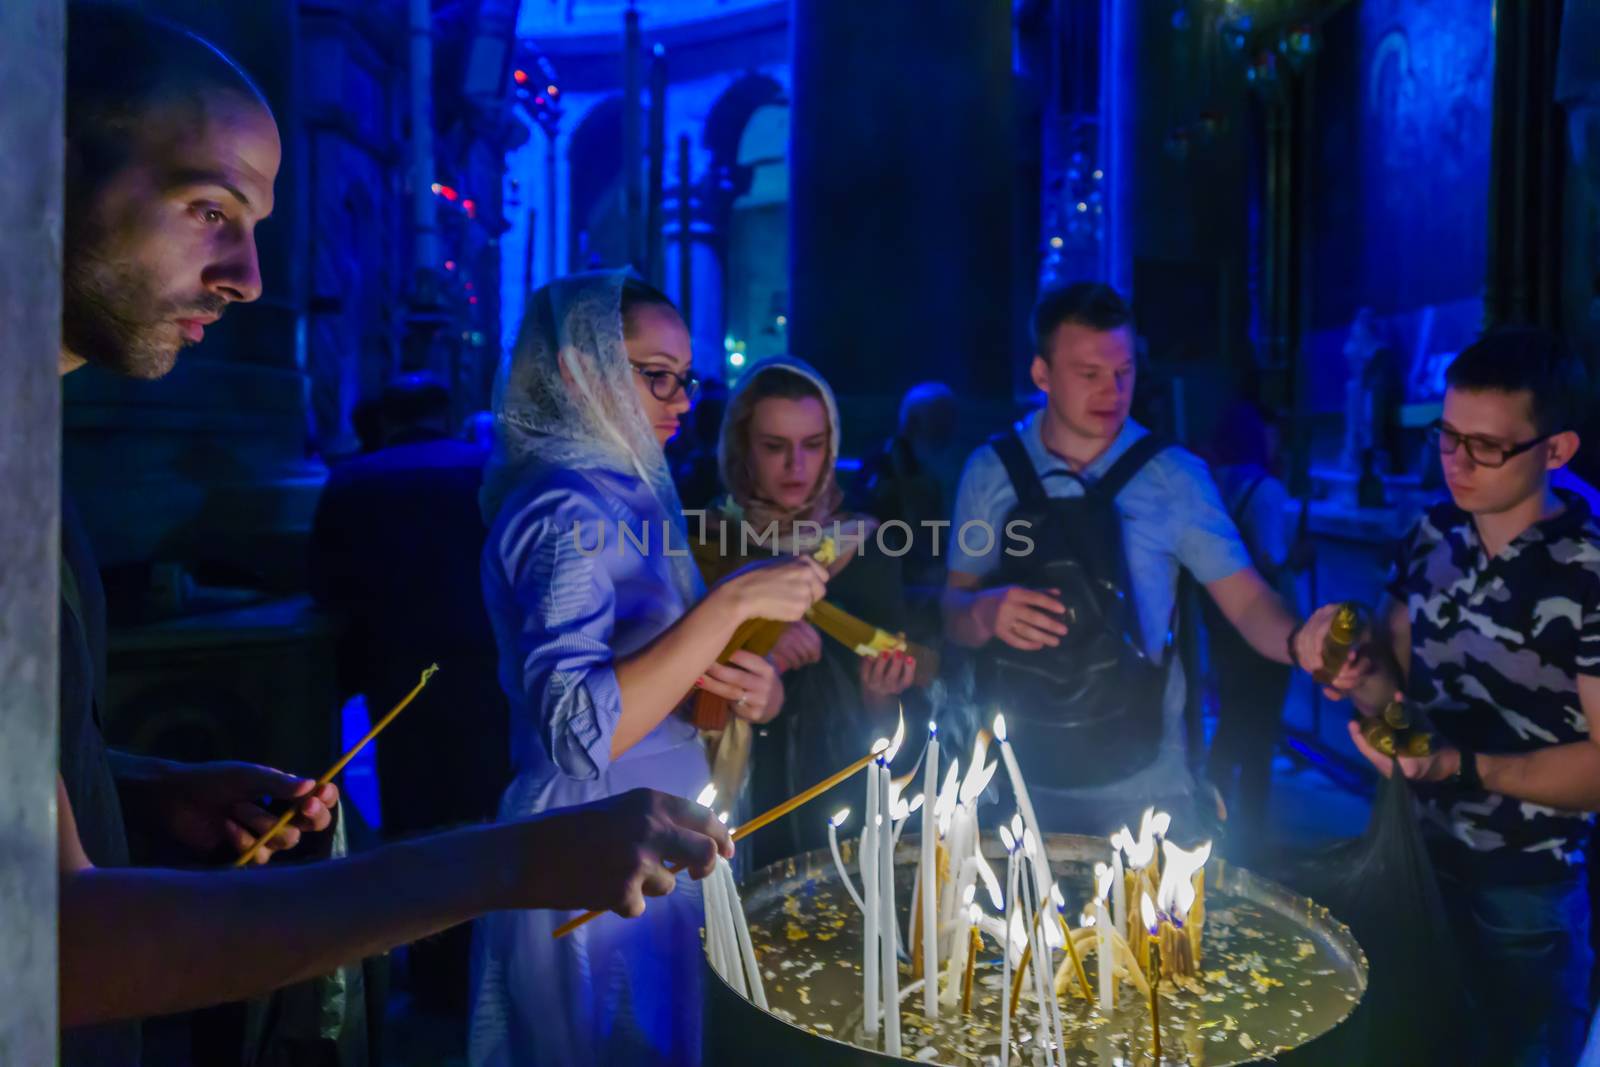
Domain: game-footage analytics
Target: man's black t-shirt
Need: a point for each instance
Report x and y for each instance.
(85, 764)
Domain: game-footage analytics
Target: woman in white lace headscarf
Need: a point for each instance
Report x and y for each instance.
(603, 629)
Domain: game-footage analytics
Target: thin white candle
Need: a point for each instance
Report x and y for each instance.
(1044, 970)
(708, 897)
(727, 903)
(926, 885)
(1005, 947)
(758, 989)
(1045, 876)
(887, 926)
(1102, 923)
(838, 860)
(711, 897)
(1105, 878)
(956, 965)
(716, 928)
(1038, 963)
(869, 894)
(1119, 886)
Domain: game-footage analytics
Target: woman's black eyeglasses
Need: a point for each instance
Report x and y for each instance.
(664, 384)
(1483, 453)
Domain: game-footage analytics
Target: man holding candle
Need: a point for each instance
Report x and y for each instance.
(1106, 508)
(171, 159)
(1491, 629)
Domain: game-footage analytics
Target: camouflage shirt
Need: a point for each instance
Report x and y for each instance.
(1496, 649)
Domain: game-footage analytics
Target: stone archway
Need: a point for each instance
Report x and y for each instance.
(597, 233)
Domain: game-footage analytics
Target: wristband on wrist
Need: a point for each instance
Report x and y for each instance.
(1467, 776)
(1294, 660)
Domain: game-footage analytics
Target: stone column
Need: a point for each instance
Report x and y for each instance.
(31, 72)
(901, 220)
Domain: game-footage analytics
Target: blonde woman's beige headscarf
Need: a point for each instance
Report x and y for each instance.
(733, 456)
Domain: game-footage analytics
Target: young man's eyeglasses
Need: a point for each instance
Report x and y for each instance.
(664, 384)
(1483, 452)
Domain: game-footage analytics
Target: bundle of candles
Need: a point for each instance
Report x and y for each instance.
(727, 932)
(946, 924)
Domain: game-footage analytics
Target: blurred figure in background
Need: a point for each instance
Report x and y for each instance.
(913, 479)
(1250, 688)
(693, 453)
(394, 558)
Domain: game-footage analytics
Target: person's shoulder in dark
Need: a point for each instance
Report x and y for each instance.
(440, 453)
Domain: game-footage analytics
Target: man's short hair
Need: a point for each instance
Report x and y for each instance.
(413, 398)
(121, 64)
(1515, 359)
(1090, 304)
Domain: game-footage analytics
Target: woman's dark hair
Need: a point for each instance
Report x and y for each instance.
(637, 294)
(123, 64)
(1089, 304)
(1518, 359)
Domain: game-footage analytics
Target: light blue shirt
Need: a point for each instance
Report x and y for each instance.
(568, 595)
(1172, 516)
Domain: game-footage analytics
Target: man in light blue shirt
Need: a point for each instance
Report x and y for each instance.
(1171, 517)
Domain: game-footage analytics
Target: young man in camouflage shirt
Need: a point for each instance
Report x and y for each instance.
(1491, 627)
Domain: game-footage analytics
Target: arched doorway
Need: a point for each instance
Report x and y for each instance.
(747, 135)
(597, 215)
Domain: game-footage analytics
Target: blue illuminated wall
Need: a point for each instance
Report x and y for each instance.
(1400, 214)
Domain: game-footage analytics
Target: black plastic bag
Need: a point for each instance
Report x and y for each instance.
(1382, 885)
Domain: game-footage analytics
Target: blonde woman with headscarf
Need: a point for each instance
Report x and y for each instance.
(778, 448)
(604, 628)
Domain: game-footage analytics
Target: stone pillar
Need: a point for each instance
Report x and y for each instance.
(901, 220)
(31, 72)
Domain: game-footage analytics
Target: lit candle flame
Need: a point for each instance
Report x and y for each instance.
(1176, 894)
(723, 815)
(1008, 839)
(1160, 824)
(879, 745)
(1056, 898)
(999, 730)
(839, 817)
(1016, 824)
(933, 728)
(1030, 845)
(1104, 876)
(1148, 911)
(1143, 851)
(899, 736)
(975, 913)
(707, 796)
(977, 780)
(1018, 934)
(968, 895)
(916, 802)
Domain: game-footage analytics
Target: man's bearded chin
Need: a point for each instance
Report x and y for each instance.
(109, 317)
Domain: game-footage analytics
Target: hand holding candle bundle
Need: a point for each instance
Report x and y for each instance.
(1349, 625)
(753, 825)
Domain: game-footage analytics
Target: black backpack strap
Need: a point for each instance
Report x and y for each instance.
(1130, 463)
(1019, 468)
(1236, 513)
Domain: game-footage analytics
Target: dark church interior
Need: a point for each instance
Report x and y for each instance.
(1304, 212)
